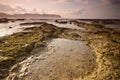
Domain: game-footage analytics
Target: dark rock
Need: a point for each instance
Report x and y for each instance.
(10, 27)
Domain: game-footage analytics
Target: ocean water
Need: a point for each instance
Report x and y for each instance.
(112, 25)
(13, 27)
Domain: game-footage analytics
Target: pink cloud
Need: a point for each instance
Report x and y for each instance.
(6, 8)
(61, 1)
(19, 9)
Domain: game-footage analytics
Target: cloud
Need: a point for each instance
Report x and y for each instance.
(111, 2)
(19, 9)
(77, 12)
(61, 1)
(66, 8)
(115, 1)
(11, 10)
(6, 8)
(70, 1)
(71, 13)
(82, 1)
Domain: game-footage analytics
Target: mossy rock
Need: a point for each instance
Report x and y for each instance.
(18, 46)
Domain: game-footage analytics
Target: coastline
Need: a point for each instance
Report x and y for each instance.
(103, 41)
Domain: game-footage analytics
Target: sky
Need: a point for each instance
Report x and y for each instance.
(66, 8)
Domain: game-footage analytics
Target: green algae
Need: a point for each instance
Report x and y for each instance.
(107, 50)
(16, 47)
(105, 42)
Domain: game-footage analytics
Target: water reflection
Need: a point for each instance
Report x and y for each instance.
(13, 27)
(112, 25)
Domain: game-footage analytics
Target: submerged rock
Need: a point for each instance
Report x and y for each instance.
(10, 27)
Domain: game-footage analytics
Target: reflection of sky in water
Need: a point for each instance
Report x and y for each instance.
(84, 21)
(5, 30)
(68, 25)
(112, 25)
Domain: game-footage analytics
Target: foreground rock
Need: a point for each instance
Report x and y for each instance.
(62, 59)
(103, 41)
(4, 20)
(32, 23)
(17, 47)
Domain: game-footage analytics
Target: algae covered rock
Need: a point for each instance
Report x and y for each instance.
(18, 46)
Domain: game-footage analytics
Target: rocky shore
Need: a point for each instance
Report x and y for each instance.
(17, 47)
(103, 41)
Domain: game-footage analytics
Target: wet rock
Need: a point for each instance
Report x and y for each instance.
(15, 78)
(22, 74)
(15, 68)
(24, 69)
(32, 23)
(4, 20)
(10, 27)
